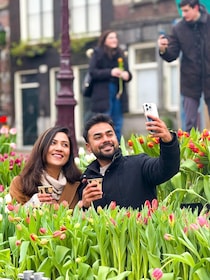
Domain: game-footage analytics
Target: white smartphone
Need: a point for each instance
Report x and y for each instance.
(150, 109)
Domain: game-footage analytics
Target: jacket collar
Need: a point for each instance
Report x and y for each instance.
(94, 166)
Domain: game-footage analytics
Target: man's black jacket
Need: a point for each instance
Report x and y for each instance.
(131, 180)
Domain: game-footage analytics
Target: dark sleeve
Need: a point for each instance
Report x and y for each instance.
(158, 170)
(98, 73)
(173, 50)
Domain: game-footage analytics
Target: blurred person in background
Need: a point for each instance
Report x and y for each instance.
(190, 37)
(110, 73)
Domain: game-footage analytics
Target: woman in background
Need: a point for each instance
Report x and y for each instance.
(51, 163)
(109, 71)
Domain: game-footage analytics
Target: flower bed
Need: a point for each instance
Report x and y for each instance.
(157, 242)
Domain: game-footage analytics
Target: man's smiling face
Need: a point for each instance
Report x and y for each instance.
(102, 142)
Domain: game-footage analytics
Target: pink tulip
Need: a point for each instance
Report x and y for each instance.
(202, 221)
(65, 203)
(168, 236)
(154, 204)
(57, 233)
(194, 226)
(18, 242)
(10, 207)
(112, 205)
(13, 131)
(147, 204)
(42, 230)
(62, 236)
(1, 188)
(157, 274)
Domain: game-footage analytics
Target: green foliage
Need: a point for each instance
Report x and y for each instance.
(111, 243)
(11, 163)
(79, 44)
(108, 243)
(21, 49)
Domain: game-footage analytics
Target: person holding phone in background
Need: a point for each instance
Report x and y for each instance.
(190, 37)
(110, 73)
(51, 167)
(127, 180)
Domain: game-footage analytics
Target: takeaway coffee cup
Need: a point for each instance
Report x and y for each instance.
(45, 189)
(98, 181)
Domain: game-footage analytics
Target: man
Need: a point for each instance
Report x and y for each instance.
(127, 180)
(191, 37)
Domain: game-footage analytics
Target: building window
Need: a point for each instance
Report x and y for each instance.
(148, 85)
(144, 87)
(89, 12)
(36, 20)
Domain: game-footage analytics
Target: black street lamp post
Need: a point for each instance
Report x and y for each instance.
(3, 117)
(65, 101)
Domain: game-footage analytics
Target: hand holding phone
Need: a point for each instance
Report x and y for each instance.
(151, 110)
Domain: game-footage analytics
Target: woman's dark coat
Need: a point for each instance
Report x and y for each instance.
(100, 70)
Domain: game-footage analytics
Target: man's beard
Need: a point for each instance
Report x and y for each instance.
(103, 156)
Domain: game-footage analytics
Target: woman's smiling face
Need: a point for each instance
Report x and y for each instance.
(59, 151)
(111, 40)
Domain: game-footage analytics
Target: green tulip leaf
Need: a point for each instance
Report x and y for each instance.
(189, 164)
(206, 185)
(5, 256)
(60, 253)
(202, 273)
(184, 258)
(23, 251)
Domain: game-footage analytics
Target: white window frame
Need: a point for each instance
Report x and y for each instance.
(167, 82)
(132, 86)
(87, 32)
(167, 69)
(25, 37)
(18, 102)
(78, 97)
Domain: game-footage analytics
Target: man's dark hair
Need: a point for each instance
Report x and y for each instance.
(99, 118)
(191, 3)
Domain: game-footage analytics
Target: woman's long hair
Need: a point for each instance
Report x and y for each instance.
(31, 174)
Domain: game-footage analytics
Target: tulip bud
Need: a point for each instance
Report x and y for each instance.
(112, 205)
(33, 237)
(18, 242)
(10, 207)
(44, 241)
(62, 236)
(157, 274)
(19, 227)
(202, 221)
(57, 233)
(42, 230)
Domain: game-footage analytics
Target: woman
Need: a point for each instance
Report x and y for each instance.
(109, 71)
(51, 163)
